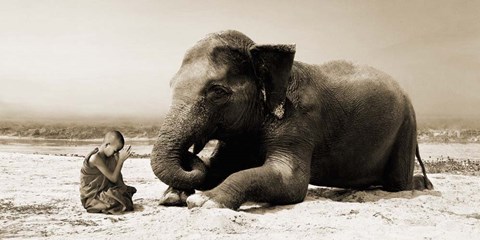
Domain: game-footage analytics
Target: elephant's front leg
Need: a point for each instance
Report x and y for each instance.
(283, 179)
(175, 196)
(224, 161)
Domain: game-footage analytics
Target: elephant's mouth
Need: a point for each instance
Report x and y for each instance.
(204, 146)
(205, 149)
(199, 145)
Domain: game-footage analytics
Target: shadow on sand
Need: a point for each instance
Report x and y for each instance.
(340, 195)
(370, 195)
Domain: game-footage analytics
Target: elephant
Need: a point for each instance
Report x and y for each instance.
(281, 125)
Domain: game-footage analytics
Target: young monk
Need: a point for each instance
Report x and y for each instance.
(102, 189)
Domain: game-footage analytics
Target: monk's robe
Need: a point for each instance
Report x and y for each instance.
(98, 194)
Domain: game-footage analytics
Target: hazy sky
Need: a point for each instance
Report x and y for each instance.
(116, 57)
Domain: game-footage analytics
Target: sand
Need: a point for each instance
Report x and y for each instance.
(39, 198)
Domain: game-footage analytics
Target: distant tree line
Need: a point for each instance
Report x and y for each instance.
(77, 130)
(150, 130)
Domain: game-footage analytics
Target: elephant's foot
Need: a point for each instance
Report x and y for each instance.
(175, 197)
(421, 182)
(203, 200)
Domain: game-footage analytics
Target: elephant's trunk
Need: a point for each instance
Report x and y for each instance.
(171, 161)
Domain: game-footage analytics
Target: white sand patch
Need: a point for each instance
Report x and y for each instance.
(39, 198)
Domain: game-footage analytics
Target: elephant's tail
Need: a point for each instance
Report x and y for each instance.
(426, 181)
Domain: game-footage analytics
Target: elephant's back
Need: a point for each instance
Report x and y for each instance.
(347, 84)
(360, 87)
(367, 99)
(362, 110)
(343, 74)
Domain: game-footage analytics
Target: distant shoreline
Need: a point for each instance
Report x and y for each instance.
(424, 136)
(13, 138)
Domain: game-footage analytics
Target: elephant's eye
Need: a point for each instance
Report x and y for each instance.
(218, 92)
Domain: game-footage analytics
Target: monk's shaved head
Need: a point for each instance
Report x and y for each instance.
(113, 136)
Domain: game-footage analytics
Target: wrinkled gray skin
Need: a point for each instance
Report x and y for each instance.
(281, 125)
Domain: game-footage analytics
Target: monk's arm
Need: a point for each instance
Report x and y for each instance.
(120, 181)
(114, 176)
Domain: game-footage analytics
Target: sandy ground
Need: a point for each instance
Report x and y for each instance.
(39, 198)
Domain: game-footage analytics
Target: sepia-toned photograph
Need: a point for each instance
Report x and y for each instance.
(157, 119)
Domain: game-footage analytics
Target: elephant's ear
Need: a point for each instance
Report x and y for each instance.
(272, 64)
